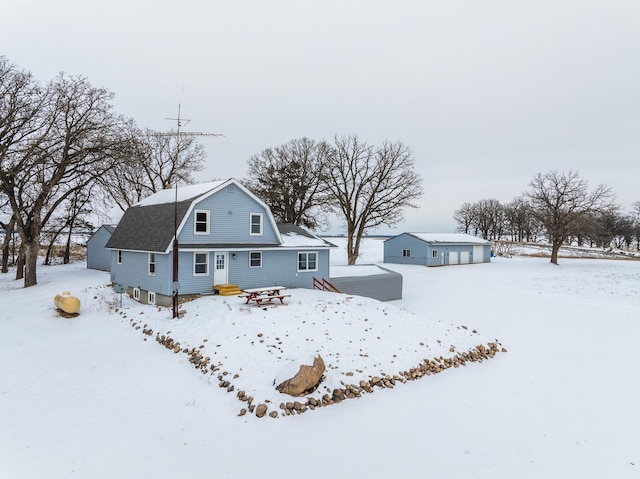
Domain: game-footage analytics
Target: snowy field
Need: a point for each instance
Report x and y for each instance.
(94, 397)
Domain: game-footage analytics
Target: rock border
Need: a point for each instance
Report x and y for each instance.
(427, 367)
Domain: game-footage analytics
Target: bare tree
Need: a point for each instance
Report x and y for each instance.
(156, 161)
(560, 200)
(635, 214)
(8, 225)
(520, 220)
(465, 217)
(70, 139)
(371, 186)
(291, 179)
(72, 216)
(489, 217)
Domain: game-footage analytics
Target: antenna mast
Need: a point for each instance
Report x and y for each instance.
(175, 285)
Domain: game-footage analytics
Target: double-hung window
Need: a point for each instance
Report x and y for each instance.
(308, 261)
(255, 259)
(255, 226)
(201, 222)
(152, 264)
(200, 264)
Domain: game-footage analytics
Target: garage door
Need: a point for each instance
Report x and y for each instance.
(478, 254)
(453, 257)
(464, 257)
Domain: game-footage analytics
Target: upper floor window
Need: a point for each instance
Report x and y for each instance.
(201, 222)
(308, 261)
(406, 253)
(256, 224)
(152, 264)
(119, 256)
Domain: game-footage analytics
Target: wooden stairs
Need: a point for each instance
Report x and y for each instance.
(324, 285)
(227, 289)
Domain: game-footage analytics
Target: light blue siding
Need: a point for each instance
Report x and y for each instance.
(99, 257)
(133, 272)
(431, 254)
(420, 253)
(278, 267)
(230, 211)
(230, 220)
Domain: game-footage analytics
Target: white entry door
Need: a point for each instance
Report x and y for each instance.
(220, 267)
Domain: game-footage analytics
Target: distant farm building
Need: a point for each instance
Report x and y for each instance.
(436, 249)
(99, 257)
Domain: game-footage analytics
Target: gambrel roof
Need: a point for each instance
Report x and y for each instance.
(148, 228)
(149, 224)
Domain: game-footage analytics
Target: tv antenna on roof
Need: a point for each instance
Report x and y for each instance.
(175, 285)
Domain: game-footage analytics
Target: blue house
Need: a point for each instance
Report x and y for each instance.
(226, 235)
(436, 249)
(98, 257)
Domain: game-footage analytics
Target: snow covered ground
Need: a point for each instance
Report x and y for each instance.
(94, 397)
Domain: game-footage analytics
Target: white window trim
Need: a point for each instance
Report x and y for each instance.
(408, 253)
(136, 294)
(251, 215)
(119, 256)
(196, 222)
(151, 297)
(206, 263)
(149, 263)
(307, 262)
(252, 252)
(434, 253)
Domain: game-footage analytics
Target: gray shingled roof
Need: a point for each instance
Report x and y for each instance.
(150, 228)
(147, 228)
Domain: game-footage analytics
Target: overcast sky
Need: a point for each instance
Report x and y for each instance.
(485, 93)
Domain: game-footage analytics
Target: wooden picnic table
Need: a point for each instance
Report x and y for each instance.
(264, 295)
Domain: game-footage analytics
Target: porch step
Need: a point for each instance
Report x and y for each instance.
(227, 289)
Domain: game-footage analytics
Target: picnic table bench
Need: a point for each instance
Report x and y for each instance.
(263, 296)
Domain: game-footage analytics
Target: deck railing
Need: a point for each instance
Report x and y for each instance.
(324, 285)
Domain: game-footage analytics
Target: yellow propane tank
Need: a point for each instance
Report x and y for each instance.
(67, 303)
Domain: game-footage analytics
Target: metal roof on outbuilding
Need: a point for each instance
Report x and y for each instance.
(447, 238)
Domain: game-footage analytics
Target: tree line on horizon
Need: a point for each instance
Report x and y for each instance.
(65, 153)
(557, 207)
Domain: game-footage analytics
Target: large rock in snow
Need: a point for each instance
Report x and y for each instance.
(306, 379)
